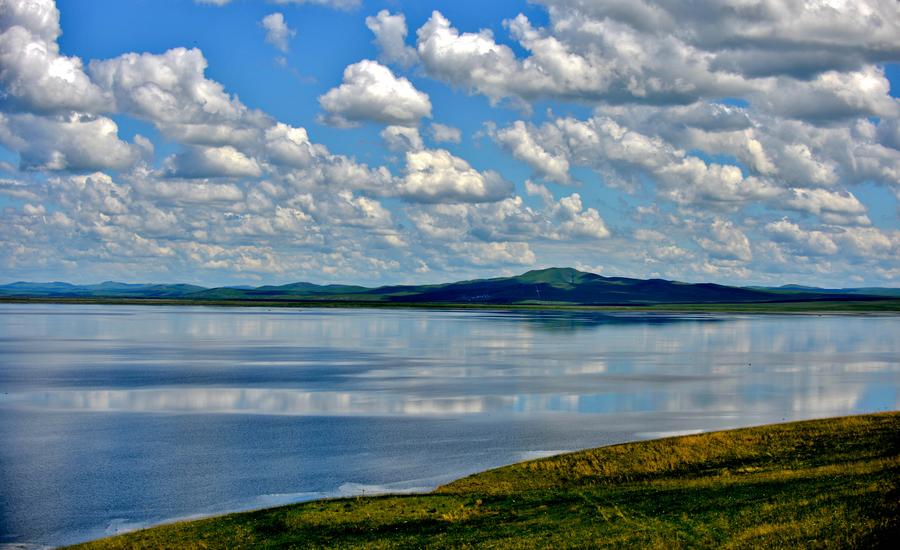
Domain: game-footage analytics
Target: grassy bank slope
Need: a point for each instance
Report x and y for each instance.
(833, 483)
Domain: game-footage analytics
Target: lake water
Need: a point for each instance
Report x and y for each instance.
(117, 417)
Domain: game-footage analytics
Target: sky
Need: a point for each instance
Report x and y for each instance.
(223, 142)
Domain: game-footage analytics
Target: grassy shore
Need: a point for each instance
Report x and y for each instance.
(823, 483)
(885, 306)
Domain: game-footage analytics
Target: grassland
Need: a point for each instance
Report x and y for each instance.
(824, 483)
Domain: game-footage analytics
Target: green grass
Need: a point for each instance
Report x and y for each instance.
(824, 483)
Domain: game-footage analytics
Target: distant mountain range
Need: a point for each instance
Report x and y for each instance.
(563, 286)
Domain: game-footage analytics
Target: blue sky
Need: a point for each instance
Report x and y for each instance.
(246, 142)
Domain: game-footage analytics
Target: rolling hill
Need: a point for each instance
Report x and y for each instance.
(562, 286)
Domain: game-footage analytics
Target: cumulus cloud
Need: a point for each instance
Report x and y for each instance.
(34, 75)
(511, 220)
(289, 146)
(780, 164)
(617, 151)
(813, 243)
(597, 63)
(168, 89)
(278, 33)
(520, 142)
(370, 92)
(390, 35)
(748, 187)
(402, 138)
(726, 241)
(211, 162)
(74, 143)
(833, 96)
(831, 207)
(575, 221)
(652, 53)
(861, 243)
(435, 175)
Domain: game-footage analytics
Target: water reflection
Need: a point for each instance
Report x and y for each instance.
(724, 397)
(115, 417)
(571, 320)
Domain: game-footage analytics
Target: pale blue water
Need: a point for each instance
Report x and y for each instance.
(116, 417)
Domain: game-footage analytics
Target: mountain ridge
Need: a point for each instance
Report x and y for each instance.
(554, 285)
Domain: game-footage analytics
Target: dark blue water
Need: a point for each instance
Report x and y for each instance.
(117, 417)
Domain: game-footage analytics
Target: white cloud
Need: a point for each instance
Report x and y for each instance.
(435, 175)
(167, 89)
(390, 35)
(337, 4)
(726, 241)
(34, 75)
(442, 133)
(211, 162)
(74, 142)
(832, 95)
(595, 60)
(791, 153)
(519, 141)
(511, 219)
(494, 254)
(804, 242)
(277, 31)
(575, 222)
(402, 138)
(291, 146)
(831, 207)
(371, 93)
(163, 191)
(468, 60)
(613, 149)
(250, 195)
(357, 211)
(652, 53)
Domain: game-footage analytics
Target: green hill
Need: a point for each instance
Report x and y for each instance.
(552, 286)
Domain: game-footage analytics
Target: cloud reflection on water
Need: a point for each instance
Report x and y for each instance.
(114, 416)
(825, 399)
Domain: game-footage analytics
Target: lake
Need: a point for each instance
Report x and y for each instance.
(117, 417)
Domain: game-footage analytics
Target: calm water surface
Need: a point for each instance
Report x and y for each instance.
(117, 417)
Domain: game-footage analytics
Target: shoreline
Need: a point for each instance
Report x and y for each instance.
(842, 453)
(850, 307)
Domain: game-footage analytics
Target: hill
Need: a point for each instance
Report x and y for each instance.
(552, 286)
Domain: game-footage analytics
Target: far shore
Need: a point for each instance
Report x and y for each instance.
(877, 306)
